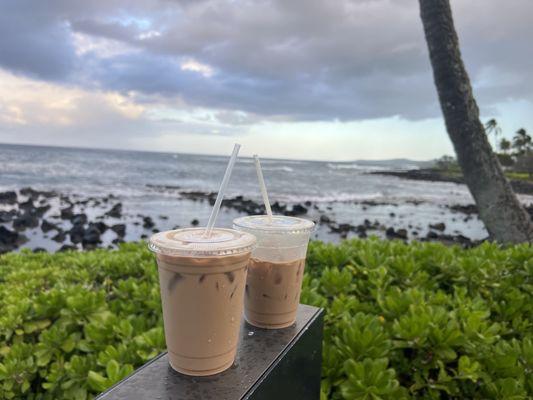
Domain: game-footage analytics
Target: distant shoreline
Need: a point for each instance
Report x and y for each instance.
(435, 175)
(362, 162)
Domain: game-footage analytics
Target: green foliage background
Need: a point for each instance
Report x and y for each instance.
(403, 321)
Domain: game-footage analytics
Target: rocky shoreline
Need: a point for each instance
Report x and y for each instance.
(435, 175)
(69, 226)
(77, 223)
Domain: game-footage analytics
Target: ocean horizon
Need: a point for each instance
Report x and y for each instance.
(173, 190)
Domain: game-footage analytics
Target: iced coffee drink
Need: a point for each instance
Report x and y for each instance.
(202, 282)
(276, 268)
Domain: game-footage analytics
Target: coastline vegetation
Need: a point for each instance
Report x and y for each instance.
(515, 155)
(418, 320)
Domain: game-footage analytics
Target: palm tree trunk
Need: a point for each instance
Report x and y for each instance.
(504, 217)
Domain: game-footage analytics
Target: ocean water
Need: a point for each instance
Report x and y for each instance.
(136, 179)
(133, 173)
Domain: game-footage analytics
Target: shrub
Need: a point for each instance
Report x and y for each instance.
(423, 320)
(403, 321)
(72, 324)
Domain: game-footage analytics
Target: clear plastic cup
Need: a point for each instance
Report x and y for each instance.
(202, 282)
(276, 268)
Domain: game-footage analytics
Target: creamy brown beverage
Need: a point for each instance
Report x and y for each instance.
(276, 268)
(273, 292)
(202, 283)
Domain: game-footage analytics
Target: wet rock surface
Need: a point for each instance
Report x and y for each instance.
(76, 222)
(116, 211)
(25, 221)
(119, 229)
(47, 226)
(9, 197)
(435, 175)
(10, 240)
(440, 226)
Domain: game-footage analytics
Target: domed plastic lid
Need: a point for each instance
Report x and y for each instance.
(278, 224)
(191, 242)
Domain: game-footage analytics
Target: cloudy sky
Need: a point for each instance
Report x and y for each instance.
(315, 79)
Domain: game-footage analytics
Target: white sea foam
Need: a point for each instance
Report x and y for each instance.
(281, 168)
(370, 167)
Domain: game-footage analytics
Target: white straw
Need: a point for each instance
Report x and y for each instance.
(221, 191)
(263, 187)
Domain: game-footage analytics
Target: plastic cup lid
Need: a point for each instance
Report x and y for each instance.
(191, 242)
(278, 224)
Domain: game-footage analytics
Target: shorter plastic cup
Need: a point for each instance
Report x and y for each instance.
(202, 282)
(276, 268)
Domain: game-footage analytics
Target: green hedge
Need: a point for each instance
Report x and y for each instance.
(403, 321)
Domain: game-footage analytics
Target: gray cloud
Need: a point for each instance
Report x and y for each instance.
(297, 60)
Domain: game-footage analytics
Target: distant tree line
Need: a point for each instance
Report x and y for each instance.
(515, 154)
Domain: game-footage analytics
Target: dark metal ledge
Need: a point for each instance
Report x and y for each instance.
(270, 364)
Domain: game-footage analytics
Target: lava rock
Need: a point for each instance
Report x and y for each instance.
(67, 247)
(441, 226)
(297, 209)
(76, 233)
(164, 217)
(116, 211)
(468, 209)
(40, 211)
(361, 229)
(27, 205)
(342, 228)
(30, 193)
(59, 237)
(7, 216)
(67, 213)
(432, 235)
(401, 233)
(119, 229)
(91, 237)
(24, 221)
(466, 242)
(195, 222)
(9, 240)
(79, 219)
(278, 208)
(9, 197)
(148, 223)
(396, 234)
(48, 226)
(101, 226)
(39, 250)
(324, 219)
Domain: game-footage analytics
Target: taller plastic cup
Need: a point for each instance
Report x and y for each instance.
(202, 283)
(276, 268)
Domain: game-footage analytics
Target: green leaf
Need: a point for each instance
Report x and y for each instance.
(113, 370)
(97, 381)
